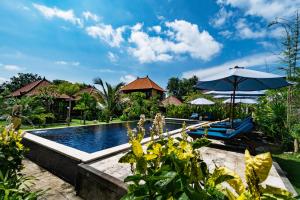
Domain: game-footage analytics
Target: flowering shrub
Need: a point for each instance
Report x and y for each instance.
(172, 168)
(169, 168)
(11, 151)
(13, 185)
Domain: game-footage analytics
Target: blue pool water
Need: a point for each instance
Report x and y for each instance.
(94, 138)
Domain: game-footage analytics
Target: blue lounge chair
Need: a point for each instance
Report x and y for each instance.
(194, 116)
(216, 133)
(227, 124)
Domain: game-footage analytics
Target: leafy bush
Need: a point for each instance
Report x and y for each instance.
(270, 116)
(256, 172)
(138, 105)
(181, 111)
(11, 152)
(13, 185)
(17, 188)
(172, 168)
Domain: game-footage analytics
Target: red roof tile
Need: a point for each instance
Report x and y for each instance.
(90, 90)
(28, 88)
(142, 84)
(171, 100)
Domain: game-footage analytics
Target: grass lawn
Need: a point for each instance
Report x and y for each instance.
(290, 163)
(75, 122)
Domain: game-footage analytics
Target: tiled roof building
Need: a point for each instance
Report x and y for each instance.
(145, 85)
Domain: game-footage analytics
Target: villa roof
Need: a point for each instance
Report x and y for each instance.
(33, 88)
(171, 100)
(30, 88)
(142, 84)
(90, 90)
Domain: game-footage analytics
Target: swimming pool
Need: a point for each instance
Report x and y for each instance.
(91, 139)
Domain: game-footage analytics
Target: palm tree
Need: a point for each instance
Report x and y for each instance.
(110, 98)
(85, 104)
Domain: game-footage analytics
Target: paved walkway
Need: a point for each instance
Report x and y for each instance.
(57, 189)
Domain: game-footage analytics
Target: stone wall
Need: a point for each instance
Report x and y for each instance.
(95, 185)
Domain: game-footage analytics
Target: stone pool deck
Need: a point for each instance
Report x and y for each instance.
(56, 188)
(212, 156)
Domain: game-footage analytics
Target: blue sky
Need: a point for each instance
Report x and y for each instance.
(120, 40)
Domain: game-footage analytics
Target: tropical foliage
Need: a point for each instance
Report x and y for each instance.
(138, 104)
(110, 98)
(86, 104)
(172, 168)
(169, 168)
(13, 185)
(256, 172)
(20, 80)
(181, 87)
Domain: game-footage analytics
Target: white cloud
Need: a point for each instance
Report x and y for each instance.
(88, 15)
(226, 33)
(127, 78)
(25, 8)
(148, 49)
(49, 13)
(113, 37)
(267, 9)
(137, 27)
(112, 57)
(156, 29)
(266, 45)
(106, 71)
(160, 17)
(13, 68)
(62, 62)
(2, 80)
(248, 61)
(245, 32)
(221, 17)
(182, 38)
(190, 40)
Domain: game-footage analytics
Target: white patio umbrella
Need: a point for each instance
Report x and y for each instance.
(241, 79)
(242, 100)
(202, 101)
(238, 93)
(236, 97)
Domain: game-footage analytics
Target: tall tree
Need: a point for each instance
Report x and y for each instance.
(290, 57)
(85, 104)
(110, 98)
(181, 87)
(20, 80)
(69, 89)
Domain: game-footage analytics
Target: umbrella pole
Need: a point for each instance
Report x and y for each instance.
(230, 106)
(233, 101)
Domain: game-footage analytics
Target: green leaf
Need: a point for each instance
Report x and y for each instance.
(220, 175)
(141, 165)
(166, 177)
(261, 164)
(130, 196)
(128, 158)
(134, 178)
(200, 142)
(194, 194)
(183, 196)
(276, 192)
